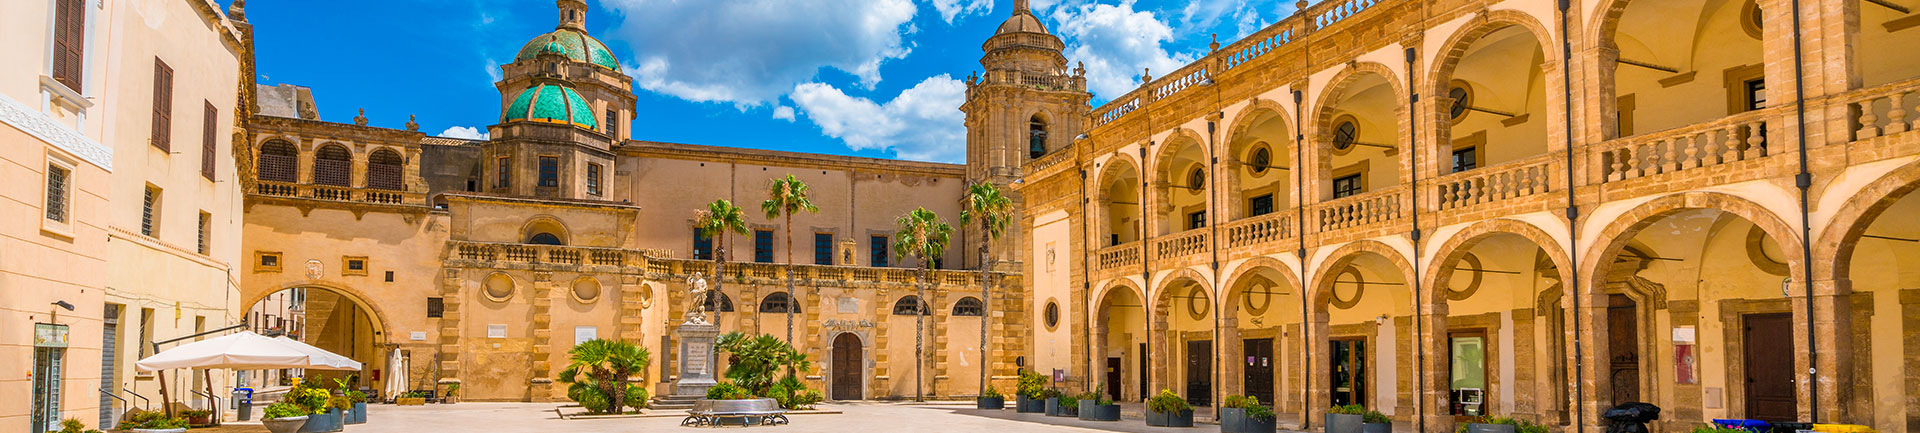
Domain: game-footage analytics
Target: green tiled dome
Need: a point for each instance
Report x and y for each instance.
(552, 103)
(574, 44)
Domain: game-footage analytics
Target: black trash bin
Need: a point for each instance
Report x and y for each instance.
(243, 403)
(1630, 417)
(1791, 427)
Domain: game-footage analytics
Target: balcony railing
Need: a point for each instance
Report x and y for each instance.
(1359, 210)
(1259, 230)
(1127, 254)
(1492, 184)
(496, 253)
(1885, 110)
(1181, 244)
(336, 193)
(1730, 139)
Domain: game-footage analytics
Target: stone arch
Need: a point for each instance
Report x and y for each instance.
(1113, 285)
(1259, 262)
(1165, 148)
(1613, 239)
(1102, 183)
(1244, 119)
(1855, 216)
(1323, 106)
(1164, 179)
(1107, 169)
(545, 224)
(1477, 27)
(1186, 273)
(1457, 246)
(359, 298)
(1324, 275)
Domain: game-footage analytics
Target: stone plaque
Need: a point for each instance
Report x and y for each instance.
(697, 358)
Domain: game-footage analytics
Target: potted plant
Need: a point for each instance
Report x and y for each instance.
(73, 425)
(1244, 414)
(1030, 388)
(1095, 406)
(198, 417)
(357, 414)
(990, 399)
(284, 417)
(452, 395)
(1169, 410)
(1064, 405)
(411, 398)
(1375, 422)
(315, 402)
(1050, 401)
(1501, 424)
(154, 422)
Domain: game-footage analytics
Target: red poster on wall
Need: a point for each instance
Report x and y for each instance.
(1683, 364)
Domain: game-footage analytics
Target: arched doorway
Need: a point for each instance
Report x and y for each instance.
(330, 319)
(1119, 345)
(848, 364)
(1183, 337)
(1361, 304)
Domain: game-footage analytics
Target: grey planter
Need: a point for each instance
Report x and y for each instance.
(1054, 408)
(323, 422)
(1235, 420)
(1098, 412)
(358, 415)
(1028, 405)
(284, 425)
(994, 403)
(1376, 427)
(1343, 423)
(1489, 428)
(1176, 419)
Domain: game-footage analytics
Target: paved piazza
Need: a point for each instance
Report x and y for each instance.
(854, 417)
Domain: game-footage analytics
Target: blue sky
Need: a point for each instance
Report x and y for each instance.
(877, 78)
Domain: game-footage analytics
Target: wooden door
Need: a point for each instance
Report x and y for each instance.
(1113, 378)
(1142, 373)
(1200, 373)
(1623, 345)
(1349, 376)
(847, 365)
(1259, 370)
(1769, 367)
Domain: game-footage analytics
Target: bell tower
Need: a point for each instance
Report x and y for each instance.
(1025, 106)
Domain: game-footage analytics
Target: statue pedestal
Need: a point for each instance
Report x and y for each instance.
(696, 359)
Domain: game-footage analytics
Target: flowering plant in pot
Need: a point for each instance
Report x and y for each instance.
(1030, 388)
(1244, 414)
(285, 417)
(73, 425)
(1169, 410)
(1095, 406)
(990, 399)
(1488, 424)
(153, 422)
(197, 417)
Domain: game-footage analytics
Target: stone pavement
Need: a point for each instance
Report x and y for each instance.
(856, 417)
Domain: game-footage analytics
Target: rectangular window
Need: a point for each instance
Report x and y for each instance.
(59, 180)
(150, 212)
(763, 246)
(208, 139)
(702, 246)
(1469, 373)
(503, 172)
(69, 42)
(877, 251)
(1196, 220)
(162, 104)
(549, 171)
(354, 266)
(1260, 205)
(266, 261)
(436, 307)
(389, 276)
(1756, 94)
(593, 179)
(1466, 158)
(823, 248)
(613, 123)
(206, 233)
(1344, 186)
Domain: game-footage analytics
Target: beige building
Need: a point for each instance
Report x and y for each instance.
(131, 218)
(1526, 208)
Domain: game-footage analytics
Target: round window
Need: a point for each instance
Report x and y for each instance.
(1462, 98)
(1348, 287)
(586, 290)
(1052, 315)
(1258, 296)
(1262, 159)
(1197, 179)
(499, 287)
(1198, 305)
(1344, 135)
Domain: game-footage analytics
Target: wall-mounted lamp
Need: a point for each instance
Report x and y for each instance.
(63, 304)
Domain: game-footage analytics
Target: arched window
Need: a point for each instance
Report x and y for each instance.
(384, 170)
(333, 165)
(909, 305)
(544, 238)
(719, 302)
(279, 162)
(1036, 137)
(778, 302)
(968, 306)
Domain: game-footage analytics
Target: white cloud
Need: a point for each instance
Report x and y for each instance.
(923, 123)
(783, 113)
(949, 9)
(1117, 42)
(493, 70)
(464, 133)
(749, 52)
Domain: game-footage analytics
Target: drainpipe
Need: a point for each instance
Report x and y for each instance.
(1804, 182)
(1300, 235)
(1413, 195)
(1213, 226)
(1573, 217)
(1086, 260)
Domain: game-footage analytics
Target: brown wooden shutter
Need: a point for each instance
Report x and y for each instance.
(69, 40)
(162, 103)
(207, 141)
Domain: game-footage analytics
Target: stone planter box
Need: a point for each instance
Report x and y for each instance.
(1176, 419)
(1028, 405)
(1343, 423)
(1098, 412)
(358, 415)
(1376, 427)
(1235, 420)
(410, 401)
(1489, 428)
(1054, 408)
(994, 403)
(284, 425)
(323, 423)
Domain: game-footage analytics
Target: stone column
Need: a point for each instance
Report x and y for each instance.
(1833, 341)
(1435, 367)
(540, 389)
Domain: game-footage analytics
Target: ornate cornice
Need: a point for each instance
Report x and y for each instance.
(46, 129)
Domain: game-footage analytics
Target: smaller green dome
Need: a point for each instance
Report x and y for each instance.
(551, 103)
(554, 47)
(574, 44)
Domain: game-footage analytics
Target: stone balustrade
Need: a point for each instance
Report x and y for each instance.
(1886, 110)
(509, 255)
(1492, 184)
(1182, 244)
(335, 193)
(1260, 230)
(1118, 256)
(1731, 139)
(1359, 210)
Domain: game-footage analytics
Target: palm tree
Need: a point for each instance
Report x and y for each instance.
(788, 196)
(714, 222)
(984, 203)
(924, 237)
(606, 364)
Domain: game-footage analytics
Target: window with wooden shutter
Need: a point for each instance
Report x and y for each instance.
(279, 162)
(210, 123)
(69, 42)
(333, 166)
(384, 170)
(162, 103)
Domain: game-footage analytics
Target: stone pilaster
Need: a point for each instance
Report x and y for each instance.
(541, 388)
(451, 296)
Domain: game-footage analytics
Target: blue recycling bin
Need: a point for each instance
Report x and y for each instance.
(1752, 425)
(242, 399)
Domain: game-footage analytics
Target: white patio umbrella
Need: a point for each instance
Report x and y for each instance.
(246, 351)
(322, 356)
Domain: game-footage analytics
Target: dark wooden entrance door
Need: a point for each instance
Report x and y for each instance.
(1113, 378)
(1259, 371)
(847, 362)
(1142, 374)
(1623, 345)
(1200, 372)
(1769, 367)
(1349, 375)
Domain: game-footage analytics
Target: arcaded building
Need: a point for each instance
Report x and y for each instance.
(482, 262)
(1525, 208)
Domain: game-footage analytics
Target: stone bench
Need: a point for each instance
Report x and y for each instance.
(756, 411)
